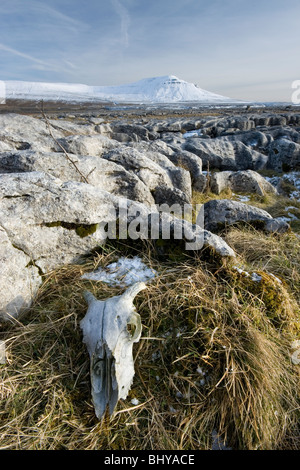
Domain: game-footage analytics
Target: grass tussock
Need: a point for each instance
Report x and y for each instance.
(205, 196)
(278, 255)
(211, 358)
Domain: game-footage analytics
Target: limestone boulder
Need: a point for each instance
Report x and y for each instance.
(53, 222)
(179, 158)
(254, 139)
(284, 155)
(222, 154)
(20, 132)
(247, 182)
(222, 213)
(92, 145)
(73, 126)
(103, 174)
(19, 279)
(153, 172)
(132, 132)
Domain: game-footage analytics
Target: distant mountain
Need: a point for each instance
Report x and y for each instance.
(167, 89)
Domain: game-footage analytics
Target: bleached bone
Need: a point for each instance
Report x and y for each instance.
(109, 342)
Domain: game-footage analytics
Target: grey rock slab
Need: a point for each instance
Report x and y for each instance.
(103, 174)
(104, 129)
(254, 139)
(53, 222)
(135, 131)
(222, 154)
(19, 279)
(92, 145)
(247, 181)
(277, 225)
(224, 212)
(183, 159)
(220, 181)
(284, 155)
(72, 127)
(152, 173)
(180, 177)
(25, 132)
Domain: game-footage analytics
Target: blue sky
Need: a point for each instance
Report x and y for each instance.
(239, 48)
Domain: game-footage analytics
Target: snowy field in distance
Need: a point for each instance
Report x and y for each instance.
(167, 89)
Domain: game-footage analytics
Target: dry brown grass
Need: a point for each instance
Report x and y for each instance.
(279, 255)
(195, 315)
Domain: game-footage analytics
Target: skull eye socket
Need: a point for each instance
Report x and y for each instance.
(131, 328)
(134, 326)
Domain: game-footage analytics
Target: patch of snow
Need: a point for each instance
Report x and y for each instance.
(295, 195)
(256, 277)
(243, 198)
(124, 272)
(284, 219)
(200, 371)
(180, 331)
(276, 278)
(241, 271)
(294, 178)
(292, 216)
(204, 377)
(295, 344)
(274, 180)
(155, 356)
(194, 133)
(135, 401)
(217, 443)
(172, 410)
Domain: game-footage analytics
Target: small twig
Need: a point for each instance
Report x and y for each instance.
(90, 172)
(49, 125)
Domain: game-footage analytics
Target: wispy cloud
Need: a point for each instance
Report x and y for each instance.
(38, 64)
(39, 9)
(125, 20)
(67, 20)
(5, 48)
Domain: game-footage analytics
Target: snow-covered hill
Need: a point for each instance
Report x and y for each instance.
(167, 89)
